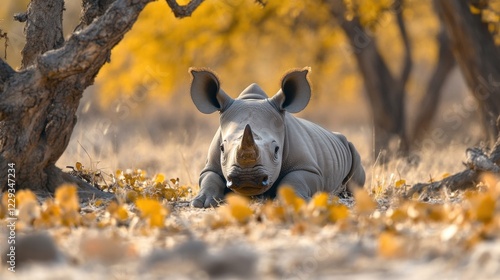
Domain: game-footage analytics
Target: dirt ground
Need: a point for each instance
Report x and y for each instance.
(442, 237)
(189, 249)
(437, 242)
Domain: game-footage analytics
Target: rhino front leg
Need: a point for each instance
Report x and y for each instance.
(305, 183)
(211, 191)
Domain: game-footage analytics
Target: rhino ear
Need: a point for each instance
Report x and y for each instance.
(206, 93)
(295, 91)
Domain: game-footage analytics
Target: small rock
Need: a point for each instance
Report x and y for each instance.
(193, 258)
(38, 247)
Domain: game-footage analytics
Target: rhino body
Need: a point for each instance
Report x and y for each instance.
(260, 145)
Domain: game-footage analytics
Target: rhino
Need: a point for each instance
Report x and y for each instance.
(261, 146)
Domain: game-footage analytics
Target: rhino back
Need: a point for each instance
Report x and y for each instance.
(310, 147)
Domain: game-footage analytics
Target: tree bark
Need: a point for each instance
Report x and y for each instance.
(428, 105)
(385, 92)
(478, 163)
(5, 73)
(43, 29)
(38, 103)
(478, 58)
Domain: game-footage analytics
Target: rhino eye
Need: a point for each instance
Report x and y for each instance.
(222, 147)
(276, 150)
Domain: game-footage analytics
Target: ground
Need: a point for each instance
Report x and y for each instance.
(188, 248)
(379, 234)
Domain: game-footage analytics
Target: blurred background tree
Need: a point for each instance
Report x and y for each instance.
(339, 39)
(474, 29)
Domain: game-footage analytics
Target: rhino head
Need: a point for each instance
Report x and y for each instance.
(251, 144)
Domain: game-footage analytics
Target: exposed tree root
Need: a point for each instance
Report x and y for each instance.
(478, 162)
(85, 190)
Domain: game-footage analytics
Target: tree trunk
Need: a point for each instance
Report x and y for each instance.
(479, 162)
(478, 58)
(385, 92)
(38, 103)
(430, 102)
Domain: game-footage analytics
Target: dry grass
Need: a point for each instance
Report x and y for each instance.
(192, 245)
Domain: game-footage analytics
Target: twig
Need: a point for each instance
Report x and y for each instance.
(185, 10)
(408, 63)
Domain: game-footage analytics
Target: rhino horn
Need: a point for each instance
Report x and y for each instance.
(248, 151)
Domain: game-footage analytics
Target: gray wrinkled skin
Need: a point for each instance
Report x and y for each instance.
(260, 146)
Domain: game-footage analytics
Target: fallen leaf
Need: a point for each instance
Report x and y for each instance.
(159, 178)
(152, 210)
(319, 200)
(338, 212)
(238, 207)
(290, 199)
(67, 198)
(78, 166)
(483, 207)
(364, 203)
(400, 183)
(390, 245)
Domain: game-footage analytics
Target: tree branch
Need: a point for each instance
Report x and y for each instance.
(5, 73)
(183, 11)
(92, 9)
(384, 91)
(429, 103)
(90, 47)
(43, 29)
(408, 62)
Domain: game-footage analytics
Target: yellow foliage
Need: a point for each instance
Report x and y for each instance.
(159, 178)
(319, 200)
(131, 196)
(370, 11)
(29, 210)
(400, 183)
(78, 166)
(364, 203)
(397, 215)
(152, 210)
(237, 208)
(25, 196)
(67, 198)
(338, 212)
(474, 10)
(492, 182)
(50, 215)
(390, 245)
(28, 206)
(117, 211)
(290, 199)
(232, 37)
(426, 211)
(482, 207)
(273, 212)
